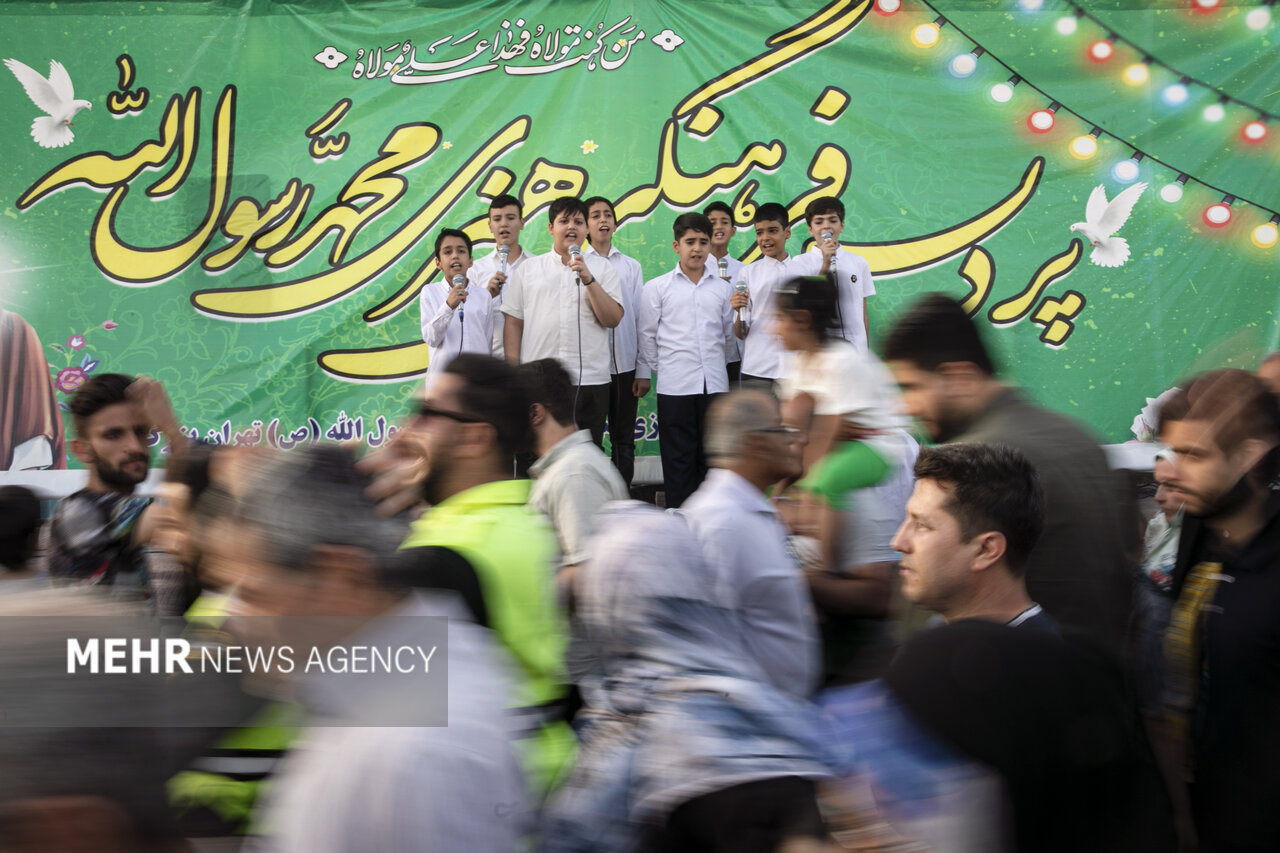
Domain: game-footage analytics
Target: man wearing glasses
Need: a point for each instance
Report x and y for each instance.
(745, 542)
(480, 539)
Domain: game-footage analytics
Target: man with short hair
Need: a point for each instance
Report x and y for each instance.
(92, 538)
(745, 542)
(762, 350)
(850, 272)
(376, 770)
(1078, 571)
(572, 478)
(481, 540)
(506, 219)
(684, 324)
(629, 374)
(561, 305)
(976, 512)
(1222, 647)
(722, 230)
(456, 318)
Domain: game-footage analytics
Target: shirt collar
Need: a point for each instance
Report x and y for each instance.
(591, 250)
(495, 493)
(737, 488)
(706, 273)
(563, 446)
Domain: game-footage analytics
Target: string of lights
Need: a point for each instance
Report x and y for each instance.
(1136, 74)
(1085, 146)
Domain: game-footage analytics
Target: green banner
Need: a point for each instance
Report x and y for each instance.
(240, 198)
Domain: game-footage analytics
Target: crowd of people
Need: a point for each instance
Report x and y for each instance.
(833, 638)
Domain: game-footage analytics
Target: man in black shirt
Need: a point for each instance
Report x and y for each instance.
(1222, 648)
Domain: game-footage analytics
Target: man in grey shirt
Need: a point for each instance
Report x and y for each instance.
(744, 541)
(1078, 570)
(572, 478)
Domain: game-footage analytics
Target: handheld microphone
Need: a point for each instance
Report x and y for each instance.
(743, 312)
(827, 235)
(459, 281)
(503, 252)
(575, 251)
(723, 263)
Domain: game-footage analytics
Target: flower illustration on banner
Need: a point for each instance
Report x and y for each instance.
(589, 146)
(70, 378)
(330, 57)
(667, 40)
(446, 145)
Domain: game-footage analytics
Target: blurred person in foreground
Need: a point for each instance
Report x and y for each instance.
(93, 538)
(1222, 647)
(375, 771)
(1077, 570)
(745, 542)
(19, 535)
(857, 462)
(685, 744)
(480, 540)
(971, 524)
(982, 738)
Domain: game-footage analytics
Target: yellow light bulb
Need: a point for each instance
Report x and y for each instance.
(1084, 147)
(1265, 235)
(925, 35)
(1137, 74)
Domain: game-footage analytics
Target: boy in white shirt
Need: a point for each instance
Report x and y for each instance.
(762, 351)
(684, 325)
(506, 220)
(852, 276)
(720, 215)
(561, 305)
(456, 318)
(628, 372)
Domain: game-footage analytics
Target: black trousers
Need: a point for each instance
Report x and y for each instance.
(622, 424)
(682, 421)
(591, 410)
(734, 368)
(759, 383)
(756, 817)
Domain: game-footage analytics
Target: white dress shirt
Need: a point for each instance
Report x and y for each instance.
(558, 320)
(480, 273)
(744, 542)
(624, 339)
(350, 783)
(762, 350)
(443, 330)
(854, 283)
(683, 328)
(735, 272)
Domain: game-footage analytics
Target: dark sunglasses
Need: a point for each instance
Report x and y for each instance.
(425, 410)
(778, 430)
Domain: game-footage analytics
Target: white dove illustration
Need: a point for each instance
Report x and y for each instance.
(56, 97)
(1102, 219)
